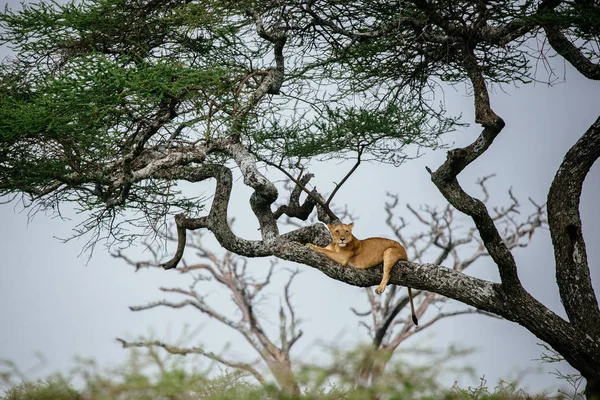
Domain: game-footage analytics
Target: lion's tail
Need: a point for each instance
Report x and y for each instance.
(412, 307)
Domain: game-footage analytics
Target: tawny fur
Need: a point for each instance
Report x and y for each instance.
(347, 250)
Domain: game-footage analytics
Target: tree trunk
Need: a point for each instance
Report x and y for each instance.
(282, 371)
(372, 366)
(592, 389)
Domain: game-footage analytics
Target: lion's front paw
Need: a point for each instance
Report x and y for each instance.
(379, 289)
(310, 246)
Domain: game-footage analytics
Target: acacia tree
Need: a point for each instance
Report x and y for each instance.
(482, 43)
(111, 103)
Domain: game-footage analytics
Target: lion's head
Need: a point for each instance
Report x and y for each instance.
(341, 233)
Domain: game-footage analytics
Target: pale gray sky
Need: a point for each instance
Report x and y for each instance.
(52, 302)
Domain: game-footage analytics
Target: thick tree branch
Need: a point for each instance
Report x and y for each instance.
(322, 208)
(445, 176)
(571, 53)
(294, 209)
(216, 220)
(265, 192)
(476, 292)
(317, 234)
(572, 270)
(441, 231)
(519, 307)
(562, 45)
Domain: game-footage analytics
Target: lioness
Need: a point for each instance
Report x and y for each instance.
(347, 250)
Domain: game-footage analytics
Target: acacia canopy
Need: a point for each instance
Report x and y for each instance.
(103, 99)
(112, 103)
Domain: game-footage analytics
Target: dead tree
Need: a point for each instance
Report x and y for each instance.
(231, 273)
(442, 239)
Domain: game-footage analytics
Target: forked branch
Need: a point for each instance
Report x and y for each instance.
(231, 273)
(313, 194)
(441, 237)
(184, 351)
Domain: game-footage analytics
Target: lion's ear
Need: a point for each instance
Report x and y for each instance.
(330, 227)
(351, 225)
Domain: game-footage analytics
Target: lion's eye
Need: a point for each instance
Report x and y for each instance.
(337, 231)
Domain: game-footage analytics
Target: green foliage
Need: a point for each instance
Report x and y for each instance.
(148, 375)
(99, 89)
(215, 390)
(52, 389)
(581, 20)
(415, 375)
(131, 28)
(96, 84)
(80, 118)
(379, 133)
(412, 51)
(502, 391)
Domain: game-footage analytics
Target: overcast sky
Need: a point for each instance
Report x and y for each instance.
(54, 301)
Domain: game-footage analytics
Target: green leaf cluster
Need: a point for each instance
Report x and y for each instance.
(151, 374)
(93, 83)
(96, 88)
(52, 31)
(89, 79)
(80, 120)
(387, 133)
(52, 389)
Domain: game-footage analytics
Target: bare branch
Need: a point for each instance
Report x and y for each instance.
(440, 316)
(312, 193)
(165, 304)
(293, 209)
(345, 178)
(231, 273)
(440, 231)
(196, 350)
